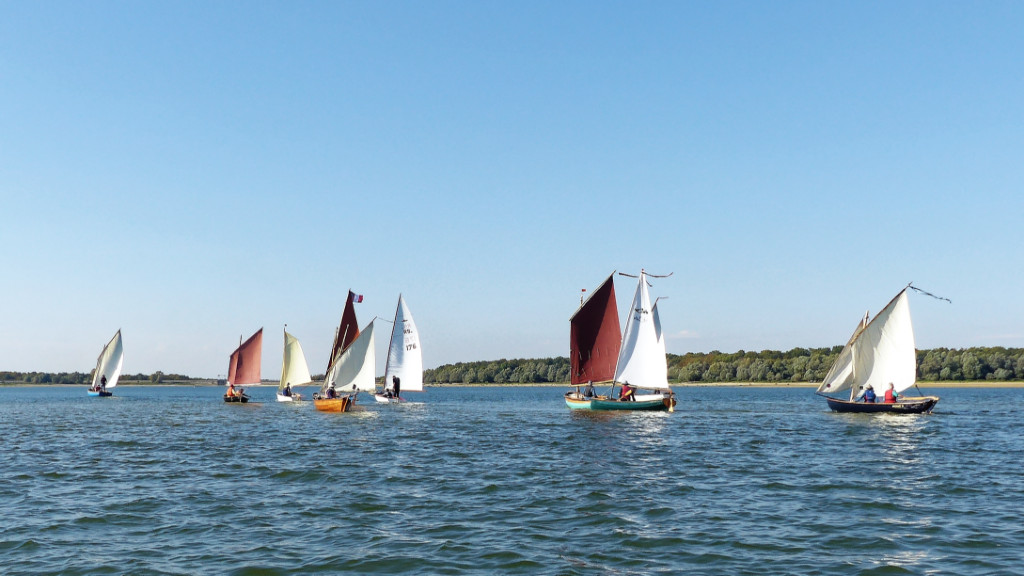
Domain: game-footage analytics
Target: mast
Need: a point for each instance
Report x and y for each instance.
(594, 336)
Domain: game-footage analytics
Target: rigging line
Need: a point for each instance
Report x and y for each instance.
(929, 293)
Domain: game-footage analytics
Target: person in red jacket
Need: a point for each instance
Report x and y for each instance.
(890, 395)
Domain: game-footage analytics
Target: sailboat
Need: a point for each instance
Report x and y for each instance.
(351, 373)
(880, 352)
(294, 370)
(404, 369)
(599, 354)
(108, 368)
(244, 366)
(329, 399)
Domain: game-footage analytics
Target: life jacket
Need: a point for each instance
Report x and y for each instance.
(890, 397)
(869, 396)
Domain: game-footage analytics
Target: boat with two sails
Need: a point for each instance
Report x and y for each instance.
(244, 367)
(351, 366)
(633, 360)
(881, 352)
(404, 369)
(108, 368)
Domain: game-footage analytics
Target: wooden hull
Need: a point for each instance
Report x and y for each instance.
(100, 393)
(909, 405)
(577, 402)
(342, 404)
(236, 399)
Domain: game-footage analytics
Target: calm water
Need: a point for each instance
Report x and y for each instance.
(507, 480)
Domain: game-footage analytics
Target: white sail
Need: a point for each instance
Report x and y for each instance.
(405, 358)
(642, 360)
(294, 369)
(109, 363)
(355, 365)
(840, 375)
(885, 352)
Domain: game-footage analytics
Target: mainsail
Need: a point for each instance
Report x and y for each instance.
(880, 353)
(294, 370)
(642, 360)
(594, 337)
(109, 363)
(405, 359)
(348, 330)
(355, 365)
(244, 366)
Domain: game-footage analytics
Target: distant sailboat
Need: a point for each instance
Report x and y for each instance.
(404, 369)
(331, 398)
(108, 368)
(294, 370)
(244, 367)
(880, 352)
(637, 358)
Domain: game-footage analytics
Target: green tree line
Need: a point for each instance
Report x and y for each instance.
(83, 377)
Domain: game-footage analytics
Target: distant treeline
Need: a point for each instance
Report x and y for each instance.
(796, 365)
(83, 377)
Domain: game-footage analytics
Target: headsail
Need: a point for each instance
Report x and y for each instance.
(840, 375)
(109, 362)
(594, 337)
(294, 370)
(244, 366)
(884, 351)
(642, 360)
(355, 365)
(405, 359)
(348, 329)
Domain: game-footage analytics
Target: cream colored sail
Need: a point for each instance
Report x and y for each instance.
(405, 359)
(840, 375)
(355, 365)
(884, 352)
(109, 363)
(294, 369)
(642, 360)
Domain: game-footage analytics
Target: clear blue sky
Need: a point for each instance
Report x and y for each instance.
(191, 171)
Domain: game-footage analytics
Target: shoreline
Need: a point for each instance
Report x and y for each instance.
(207, 383)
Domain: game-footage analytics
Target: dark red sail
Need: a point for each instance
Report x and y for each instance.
(348, 330)
(244, 366)
(594, 337)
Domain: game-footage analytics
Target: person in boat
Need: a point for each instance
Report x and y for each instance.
(891, 396)
(396, 385)
(627, 394)
(867, 393)
(287, 389)
(331, 392)
(103, 384)
(231, 393)
(588, 391)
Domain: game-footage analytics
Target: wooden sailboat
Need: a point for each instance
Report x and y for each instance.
(331, 398)
(294, 370)
(880, 352)
(598, 354)
(108, 368)
(244, 367)
(351, 373)
(404, 369)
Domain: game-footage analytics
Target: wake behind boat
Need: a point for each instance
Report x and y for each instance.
(634, 360)
(878, 363)
(108, 368)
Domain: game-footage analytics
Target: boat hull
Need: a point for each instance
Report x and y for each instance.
(342, 404)
(236, 399)
(384, 399)
(578, 402)
(100, 393)
(292, 398)
(909, 405)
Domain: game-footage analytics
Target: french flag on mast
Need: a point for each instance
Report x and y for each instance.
(356, 298)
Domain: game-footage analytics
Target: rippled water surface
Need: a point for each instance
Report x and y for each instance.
(171, 480)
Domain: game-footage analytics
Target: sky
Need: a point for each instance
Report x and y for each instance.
(189, 172)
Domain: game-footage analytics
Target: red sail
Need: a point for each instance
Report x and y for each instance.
(244, 367)
(347, 333)
(594, 337)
